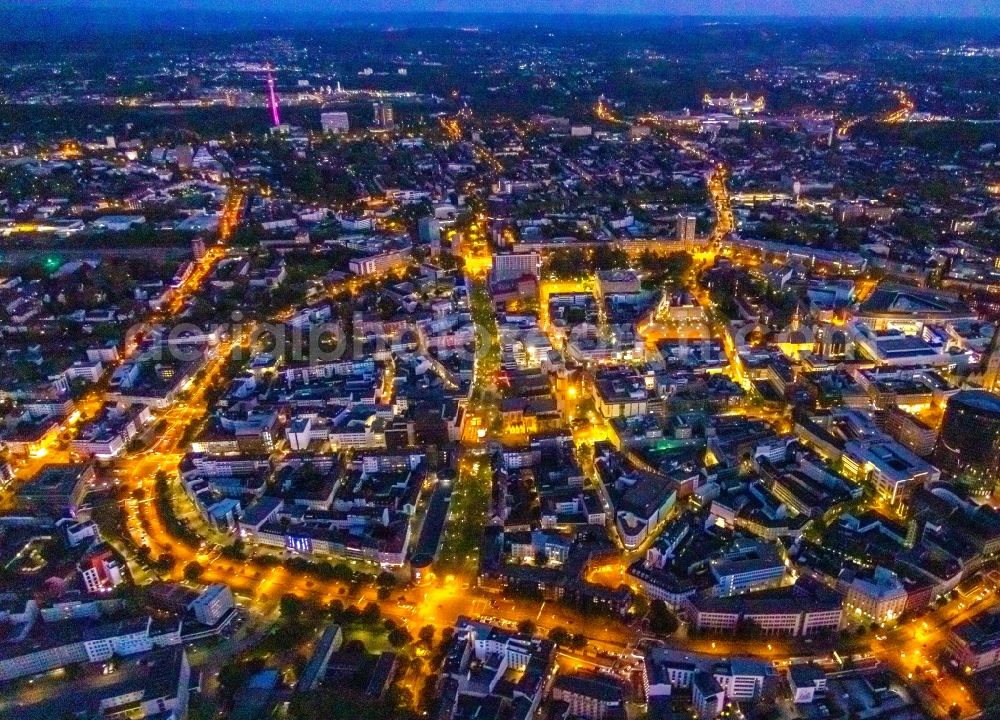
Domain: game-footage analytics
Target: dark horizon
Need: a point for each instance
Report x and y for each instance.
(729, 10)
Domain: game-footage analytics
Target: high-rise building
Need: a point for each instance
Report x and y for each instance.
(515, 265)
(686, 227)
(383, 115)
(185, 155)
(101, 572)
(968, 446)
(334, 122)
(213, 604)
(429, 231)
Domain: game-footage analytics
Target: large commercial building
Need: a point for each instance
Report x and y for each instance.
(590, 696)
(622, 392)
(747, 566)
(975, 644)
(686, 227)
(879, 596)
(213, 604)
(968, 446)
(108, 434)
(57, 644)
(892, 469)
(378, 263)
(712, 683)
(334, 122)
(383, 115)
(734, 104)
(158, 687)
(56, 490)
(806, 608)
(515, 265)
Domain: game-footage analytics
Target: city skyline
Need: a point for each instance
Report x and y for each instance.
(433, 365)
(675, 8)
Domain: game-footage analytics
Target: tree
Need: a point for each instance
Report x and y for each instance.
(371, 614)
(671, 270)
(560, 636)
(350, 615)
(567, 263)
(610, 257)
(426, 634)
(166, 561)
(661, 620)
(342, 572)
(578, 641)
(526, 627)
(193, 570)
(247, 235)
(290, 606)
(386, 580)
(235, 550)
(428, 693)
(398, 637)
(640, 606)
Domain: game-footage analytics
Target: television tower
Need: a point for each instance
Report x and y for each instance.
(272, 99)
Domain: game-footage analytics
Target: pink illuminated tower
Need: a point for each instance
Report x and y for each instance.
(272, 99)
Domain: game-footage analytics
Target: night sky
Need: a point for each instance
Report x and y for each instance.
(788, 8)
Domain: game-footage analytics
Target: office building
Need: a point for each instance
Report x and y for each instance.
(747, 566)
(807, 682)
(686, 227)
(101, 572)
(516, 265)
(894, 470)
(590, 696)
(909, 430)
(383, 115)
(429, 231)
(213, 604)
(56, 490)
(334, 122)
(158, 687)
(806, 608)
(381, 262)
(879, 596)
(707, 695)
(184, 155)
(968, 446)
(975, 643)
